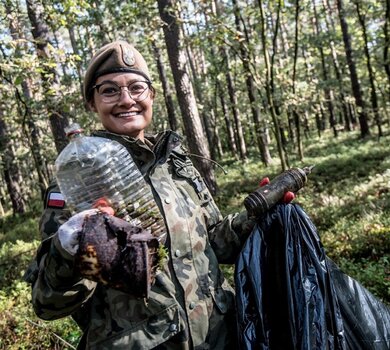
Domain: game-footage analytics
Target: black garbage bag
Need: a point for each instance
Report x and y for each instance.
(366, 320)
(286, 294)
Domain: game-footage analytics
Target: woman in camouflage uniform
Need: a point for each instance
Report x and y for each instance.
(190, 305)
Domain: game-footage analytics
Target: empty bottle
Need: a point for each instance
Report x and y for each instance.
(94, 168)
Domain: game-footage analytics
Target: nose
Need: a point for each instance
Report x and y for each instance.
(125, 97)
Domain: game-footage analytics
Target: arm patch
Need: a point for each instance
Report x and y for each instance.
(54, 199)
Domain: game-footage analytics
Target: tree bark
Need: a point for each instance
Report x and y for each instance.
(11, 170)
(185, 93)
(294, 111)
(268, 85)
(386, 48)
(58, 119)
(233, 104)
(29, 128)
(73, 41)
(166, 88)
(328, 92)
(203, 101)
(260, 130)
(356, 89)
(374, 97)
(344, 104)
(229, 128)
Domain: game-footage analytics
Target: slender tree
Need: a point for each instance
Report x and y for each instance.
(11, 170)
(386, 47)
(166, 87)
(371, 77)
(233, 103)
(40, 31)
(268, 84)
(239, 135)
(356, 88)
(259, 125)
(229, 128)
(199, 70)
(328, 92)
(330, 28)
(28, 124)
(295, 58)
(185, 93)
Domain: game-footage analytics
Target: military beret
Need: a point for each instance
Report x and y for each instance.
(118, 56)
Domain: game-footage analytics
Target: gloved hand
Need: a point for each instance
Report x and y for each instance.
(69, 232)
(103, 204)
(287, 197)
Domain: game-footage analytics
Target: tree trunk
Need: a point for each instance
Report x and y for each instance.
(295, 113)
(234, 108)
(229, 128)
(166, 88)
(357, 92)
(233, 104)
(259, 132)
(185, 94)
(2, 213)
(374, 98)
(386, 48)
(11, 170)
(40, 32)
(73, 41)
(328, 92)
(28, 126)
(268, 85)
(203, 102)
(344, 104)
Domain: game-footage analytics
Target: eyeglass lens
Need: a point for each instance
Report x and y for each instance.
(111, 92)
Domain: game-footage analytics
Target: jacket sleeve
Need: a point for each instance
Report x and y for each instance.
(57, 289)
(227, 235)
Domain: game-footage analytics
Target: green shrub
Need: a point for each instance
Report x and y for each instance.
(19, 326)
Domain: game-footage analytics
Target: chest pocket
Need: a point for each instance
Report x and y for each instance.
(184, 169)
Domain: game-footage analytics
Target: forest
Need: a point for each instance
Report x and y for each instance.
(254, 86)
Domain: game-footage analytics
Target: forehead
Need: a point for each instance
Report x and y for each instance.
(120, 78)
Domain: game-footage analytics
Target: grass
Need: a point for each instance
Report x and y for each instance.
(347, 197)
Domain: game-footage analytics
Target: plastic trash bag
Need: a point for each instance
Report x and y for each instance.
(366, 320)
(286, 294)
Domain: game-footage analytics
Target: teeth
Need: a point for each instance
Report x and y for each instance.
(127, 114)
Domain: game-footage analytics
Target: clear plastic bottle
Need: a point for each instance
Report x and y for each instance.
(92, 168)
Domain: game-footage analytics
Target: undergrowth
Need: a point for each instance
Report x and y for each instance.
(347, 197)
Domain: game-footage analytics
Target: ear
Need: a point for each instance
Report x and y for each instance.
(152, 92)
(91, 105)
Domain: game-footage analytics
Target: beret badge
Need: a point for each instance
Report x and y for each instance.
(128, 56)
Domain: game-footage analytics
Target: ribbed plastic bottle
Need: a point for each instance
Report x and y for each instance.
(92, 168)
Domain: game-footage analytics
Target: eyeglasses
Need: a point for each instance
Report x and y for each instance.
(111, 92)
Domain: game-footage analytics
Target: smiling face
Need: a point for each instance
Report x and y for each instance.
(125, 116)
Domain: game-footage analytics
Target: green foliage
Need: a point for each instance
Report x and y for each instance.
(347, 197)
(19, 326)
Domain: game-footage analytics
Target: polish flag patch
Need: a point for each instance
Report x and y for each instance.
(55, 200)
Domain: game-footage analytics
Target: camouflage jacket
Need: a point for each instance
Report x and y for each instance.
(191, 305)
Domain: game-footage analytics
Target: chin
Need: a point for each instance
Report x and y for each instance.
(132, 132)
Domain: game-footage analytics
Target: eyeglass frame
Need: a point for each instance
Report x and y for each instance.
(97, 86)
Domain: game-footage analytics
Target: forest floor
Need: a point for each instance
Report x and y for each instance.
(347, 197)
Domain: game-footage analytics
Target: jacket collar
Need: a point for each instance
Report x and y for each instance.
(155, 149)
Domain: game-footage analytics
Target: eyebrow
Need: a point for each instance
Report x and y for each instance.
(128, 83)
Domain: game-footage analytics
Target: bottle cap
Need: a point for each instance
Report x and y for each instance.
(73, 129)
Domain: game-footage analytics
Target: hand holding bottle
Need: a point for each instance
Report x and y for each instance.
(69, 232)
